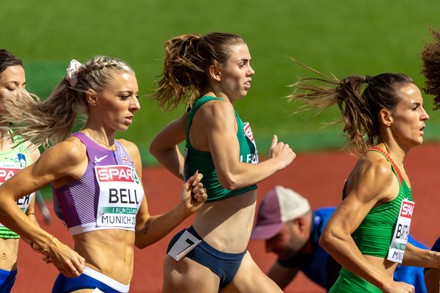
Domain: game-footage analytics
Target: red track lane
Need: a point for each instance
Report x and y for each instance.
(318, 176)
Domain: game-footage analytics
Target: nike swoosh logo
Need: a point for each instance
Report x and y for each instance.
(97, 160)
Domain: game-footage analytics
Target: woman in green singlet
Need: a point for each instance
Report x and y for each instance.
(212, 72)
(383, 119)
(13, 157)
(431, 71)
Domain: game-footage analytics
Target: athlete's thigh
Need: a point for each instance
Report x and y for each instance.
(251, 279)
(189, 276)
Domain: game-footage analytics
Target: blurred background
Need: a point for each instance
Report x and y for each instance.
(335, 37)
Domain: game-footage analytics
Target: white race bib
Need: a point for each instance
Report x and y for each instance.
(6, 172)
(183, 245)
(401, 232)
(120, 196)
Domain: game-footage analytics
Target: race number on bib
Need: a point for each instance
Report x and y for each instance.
(120, 195)
(401, 232)
(183, 245)
(6, 172)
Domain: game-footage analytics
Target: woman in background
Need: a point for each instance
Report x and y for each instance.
(14, 155)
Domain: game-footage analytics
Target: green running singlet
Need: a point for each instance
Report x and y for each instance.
(374, 234)
(10, 162)
(202, 161)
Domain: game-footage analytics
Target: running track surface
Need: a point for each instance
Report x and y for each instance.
(318, 176)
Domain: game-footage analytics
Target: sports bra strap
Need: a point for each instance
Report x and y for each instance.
(390, 160)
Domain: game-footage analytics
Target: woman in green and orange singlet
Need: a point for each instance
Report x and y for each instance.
(384, 118)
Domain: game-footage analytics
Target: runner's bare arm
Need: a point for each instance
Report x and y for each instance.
(415, 256)
(55, 164)
(164, 146)
(281, 275)
(149, 228)
(219, 117)
(34, 154)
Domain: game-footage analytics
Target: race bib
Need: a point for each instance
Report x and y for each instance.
(120, 195)
(401, 232)
(183, 245)
(7, 172)
(252, 157)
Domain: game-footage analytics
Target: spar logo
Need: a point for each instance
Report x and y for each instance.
(6, 173)
(248, 131)
(116, 174)
(407, 209)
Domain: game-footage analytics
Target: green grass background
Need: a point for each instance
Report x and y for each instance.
(338, 37)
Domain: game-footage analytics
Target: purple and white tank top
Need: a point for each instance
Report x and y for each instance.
(107, 196)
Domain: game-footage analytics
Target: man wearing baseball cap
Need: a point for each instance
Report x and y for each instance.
(291, 230)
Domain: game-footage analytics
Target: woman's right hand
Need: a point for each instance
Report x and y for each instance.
(65, 259)
(282, 152)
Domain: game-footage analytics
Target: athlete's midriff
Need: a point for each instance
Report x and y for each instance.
(227, 224)
(109, 252)
(8, 254)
